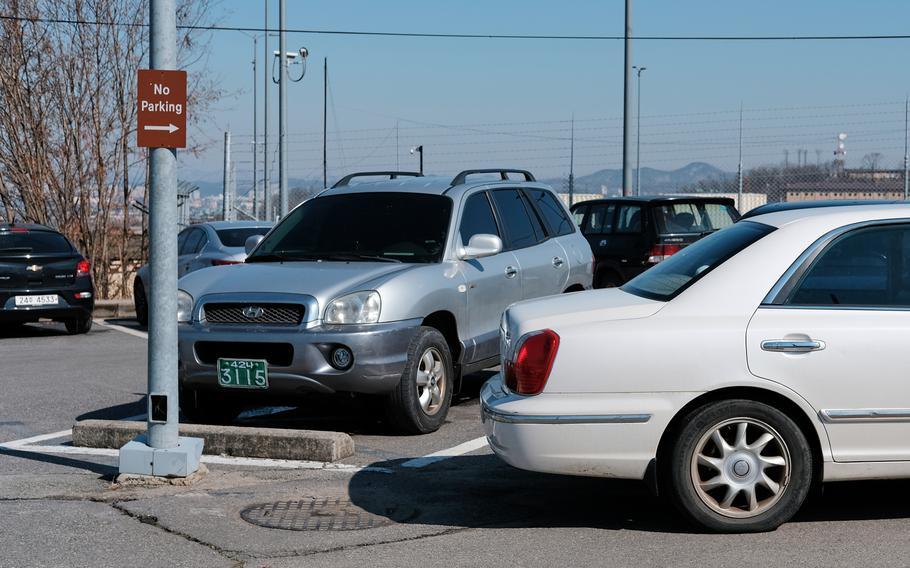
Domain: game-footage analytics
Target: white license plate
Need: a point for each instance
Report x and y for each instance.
(45, 300)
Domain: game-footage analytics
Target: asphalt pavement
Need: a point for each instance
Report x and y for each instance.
(461, 508)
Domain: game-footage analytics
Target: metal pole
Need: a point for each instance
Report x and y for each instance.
(226, 179)
(162, 330)
(325, 118)
(255, 138)
(282, 112)
(638, 137)
(572, 164)
(266, 200)
(906, 143)
(627, 106)
(739, 171)
(421, 158)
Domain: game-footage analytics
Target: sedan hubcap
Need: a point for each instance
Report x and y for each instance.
(431, 381)
(741, 467)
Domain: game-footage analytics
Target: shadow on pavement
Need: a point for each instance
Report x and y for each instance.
(481, 491)
(107, 472)
(118, 412)
(12, 330)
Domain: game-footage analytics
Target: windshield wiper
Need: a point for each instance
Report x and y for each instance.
(280, 256)
(355, 257)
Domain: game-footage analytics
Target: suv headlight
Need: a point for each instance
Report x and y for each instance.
(359, 307)
(184, 307)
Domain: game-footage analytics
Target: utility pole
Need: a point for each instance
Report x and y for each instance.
(627, 106)
(255, 138)
(638, 136)
(162, 452)
(572, 163)
(906, 142)
(419, 150)
(739, 170)
(226, 179)
(266, 199)
(282, 112)
(325, 118)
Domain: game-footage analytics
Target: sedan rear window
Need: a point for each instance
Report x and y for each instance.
(238, 237)
(693, 217)
(33, 242)
(669, 278)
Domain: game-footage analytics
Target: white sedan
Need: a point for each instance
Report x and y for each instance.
(768, 357)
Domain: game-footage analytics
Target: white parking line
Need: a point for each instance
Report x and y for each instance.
(458, 450)
(126, 330)
(14, 444)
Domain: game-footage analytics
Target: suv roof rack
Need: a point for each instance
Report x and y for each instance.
(392, 175)
(503, 173)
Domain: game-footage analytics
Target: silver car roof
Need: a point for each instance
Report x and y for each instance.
(430, 185)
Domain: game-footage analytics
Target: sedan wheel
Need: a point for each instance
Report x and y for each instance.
(738, 466)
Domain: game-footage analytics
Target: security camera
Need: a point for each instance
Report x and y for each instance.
(304, 52)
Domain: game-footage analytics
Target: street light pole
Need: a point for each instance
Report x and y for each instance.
(419, 150)
(255, 137)
(638, 136)
(627, 106)
(282, 112)
(266, 201)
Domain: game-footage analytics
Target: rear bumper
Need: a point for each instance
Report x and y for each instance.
(67, 306)
(380, 352)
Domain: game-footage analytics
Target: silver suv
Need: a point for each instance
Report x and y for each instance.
(392, 287)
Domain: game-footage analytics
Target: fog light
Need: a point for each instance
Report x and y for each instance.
(342, 358)
(83, 295)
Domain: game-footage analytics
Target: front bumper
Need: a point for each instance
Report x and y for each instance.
(380, 353)
(67, 306)
(588, 434)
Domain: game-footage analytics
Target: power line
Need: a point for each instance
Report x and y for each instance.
(214, 28)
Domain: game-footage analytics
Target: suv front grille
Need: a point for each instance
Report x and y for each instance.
(277, 354)
(253, 313)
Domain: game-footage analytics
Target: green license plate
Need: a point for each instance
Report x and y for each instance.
(243, 373)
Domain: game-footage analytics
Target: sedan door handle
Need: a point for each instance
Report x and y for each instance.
(792, 346)
(557, 262)
(511, 272)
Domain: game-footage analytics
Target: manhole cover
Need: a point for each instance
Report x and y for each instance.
(322, 514)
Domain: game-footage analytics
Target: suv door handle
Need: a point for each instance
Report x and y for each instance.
(511, 272)
(557, 262)
(791, 346)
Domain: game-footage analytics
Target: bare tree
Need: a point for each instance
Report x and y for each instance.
(68, 117)
(871, 161)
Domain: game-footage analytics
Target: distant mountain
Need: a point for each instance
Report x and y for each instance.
(652, 180)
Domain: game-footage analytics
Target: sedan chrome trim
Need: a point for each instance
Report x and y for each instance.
(866, 415)
(510, 418)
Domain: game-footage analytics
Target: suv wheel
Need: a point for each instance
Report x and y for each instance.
(141, 303)
(739, 466)
(608, 279)
(204, 407)
(420, 402)
(78, 325)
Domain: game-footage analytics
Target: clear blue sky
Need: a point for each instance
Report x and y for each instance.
(691, 91)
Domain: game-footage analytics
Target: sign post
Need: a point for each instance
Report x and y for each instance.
(161, 126)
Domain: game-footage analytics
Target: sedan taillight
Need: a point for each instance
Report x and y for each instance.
(527, 372)
(662, 252)
(83, 268)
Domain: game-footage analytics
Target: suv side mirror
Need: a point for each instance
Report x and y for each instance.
(481, 245)
(252, 242)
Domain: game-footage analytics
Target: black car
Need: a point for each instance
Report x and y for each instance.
(42, 276)
(631, 234)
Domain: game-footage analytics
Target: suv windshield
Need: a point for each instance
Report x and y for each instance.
(389, 227)
(693, 217)
(669, 278)
(33, 242)
(238, 237)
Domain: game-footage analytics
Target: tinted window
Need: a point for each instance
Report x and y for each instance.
(193, 242)
(669, 278)
(477, 218)
(369, 227)
(578, 214)
(515, 218)
(693, 217)
(238, 237)
(868, 267)
(601, 219)
(553, 212)
(33, 242)
(181, 239)
(629, 219)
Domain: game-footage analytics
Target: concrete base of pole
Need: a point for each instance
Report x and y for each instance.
(138, 458)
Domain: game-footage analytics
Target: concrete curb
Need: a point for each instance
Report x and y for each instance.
(273, 443)
(114, 309)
